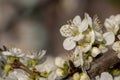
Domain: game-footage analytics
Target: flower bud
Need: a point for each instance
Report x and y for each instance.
(84, 77)
(90, 59)
(76, 76)
(95, 51)
(59, 72)
(59, 62)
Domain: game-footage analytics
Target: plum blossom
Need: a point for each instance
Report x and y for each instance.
(112, 24)
(38, 55)
(14, 52)
(74, 32)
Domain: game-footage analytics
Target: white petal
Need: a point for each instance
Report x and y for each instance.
(117, 78)
(7, 53)
(106, 76)
(112, 24)
(41, 54)
(20, 55)
(30, 56)
(77, 20)
(97, 78)
(88, 19)
(108, 24)
(95, 51)
(92, 34)
(79, 58)
(69, 44)
(109, 38)
(16, 50)
(21, 75)
(84, 25)
(118, 37)
(118, 55)
(99, 36)
(117, 18)
(66, 31)
(116, 46)
(116, 28)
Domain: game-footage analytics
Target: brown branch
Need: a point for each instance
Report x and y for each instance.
(102, 64)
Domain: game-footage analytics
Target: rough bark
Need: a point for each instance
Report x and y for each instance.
(102, 64)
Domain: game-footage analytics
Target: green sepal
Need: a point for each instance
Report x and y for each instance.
(7, 69)
(116, 72)
(12, 59)
(45, 74)
(34, 76)
(32, 63)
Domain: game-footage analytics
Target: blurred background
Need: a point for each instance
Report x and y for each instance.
(34, 24)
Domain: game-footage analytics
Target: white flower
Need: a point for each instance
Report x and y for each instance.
(84, 76)
(95, 51)
(59, 72)
(73, 31)
(116, 46)
(112, 23)
(38, 55)
(86, 44)
(60, 62)
(109, 38)
(106, 76)
(77, 57)
(76, 76)
(14, 52)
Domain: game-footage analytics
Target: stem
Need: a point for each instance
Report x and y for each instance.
(23, 67)
(19, 65)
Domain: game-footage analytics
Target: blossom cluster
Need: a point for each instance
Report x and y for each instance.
(18, 65)
(88, 39)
